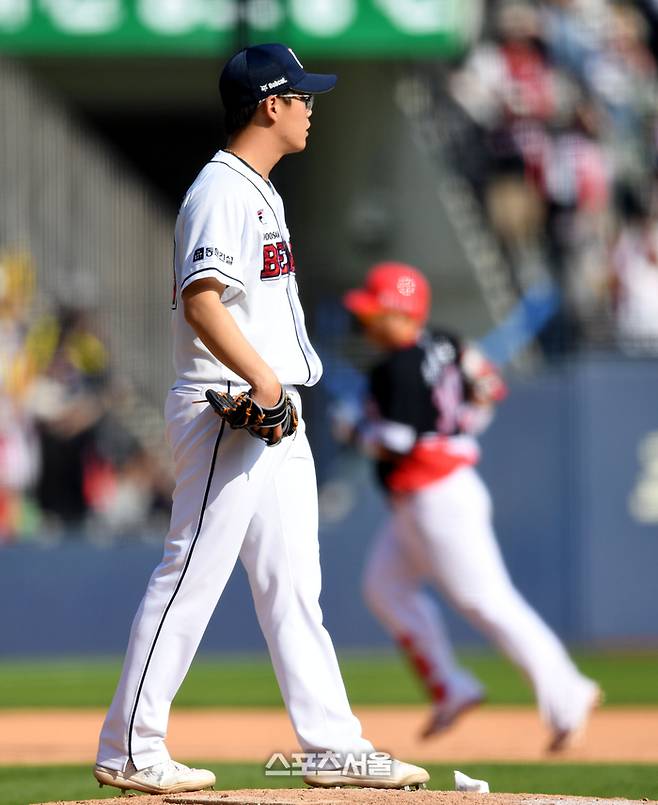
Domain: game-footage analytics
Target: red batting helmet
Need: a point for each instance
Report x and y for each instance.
(391, 286)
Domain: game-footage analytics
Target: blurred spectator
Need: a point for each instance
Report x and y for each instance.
(95, 472)
(575, 183)
(573, 32)
(19, 455)
(70, 395)
(68, 464)
(634, 278)
(622, 76)
(126, 486)
(561, 98)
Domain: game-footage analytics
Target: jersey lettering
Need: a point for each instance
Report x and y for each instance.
(277, 261)
(441, 373)
(448, 397)
(438, 355)
(271, 268)
(283, 258)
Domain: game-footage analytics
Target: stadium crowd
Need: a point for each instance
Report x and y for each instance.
(557, 134)
(68, 463)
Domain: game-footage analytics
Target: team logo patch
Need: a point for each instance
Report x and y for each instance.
(198, 255)
(264, 218)
(209, 251)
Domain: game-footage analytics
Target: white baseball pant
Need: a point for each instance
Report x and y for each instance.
(443, 534)
(234, 497)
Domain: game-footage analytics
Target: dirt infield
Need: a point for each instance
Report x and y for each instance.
(615, 734)
(368, 796)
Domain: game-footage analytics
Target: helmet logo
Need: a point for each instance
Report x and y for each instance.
(406, 286)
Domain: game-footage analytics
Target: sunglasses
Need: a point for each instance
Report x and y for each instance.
(307, 100)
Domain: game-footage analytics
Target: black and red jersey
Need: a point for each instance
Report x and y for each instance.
(423, 409)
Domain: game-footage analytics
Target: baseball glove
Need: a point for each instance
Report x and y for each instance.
(243, 412)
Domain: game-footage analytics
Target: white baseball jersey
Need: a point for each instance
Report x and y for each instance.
(231, 226)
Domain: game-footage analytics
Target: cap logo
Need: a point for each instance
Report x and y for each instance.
(406, 286)
(292, 53)
(273, 84)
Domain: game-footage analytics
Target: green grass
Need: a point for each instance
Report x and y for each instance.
(383, 678)
(20, 785)
(626, 678)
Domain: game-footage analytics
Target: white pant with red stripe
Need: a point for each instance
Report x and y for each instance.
(443, 534)
(234, 498)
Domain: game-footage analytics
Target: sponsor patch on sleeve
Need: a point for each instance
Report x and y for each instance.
(208, 252)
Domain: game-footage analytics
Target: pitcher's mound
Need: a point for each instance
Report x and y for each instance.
(347, 796)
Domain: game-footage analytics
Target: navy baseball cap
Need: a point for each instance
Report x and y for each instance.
(256, 72)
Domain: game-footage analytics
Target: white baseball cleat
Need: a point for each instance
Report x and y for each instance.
(398, 775)
(565, 737)
(162, 778)
(462, 695)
